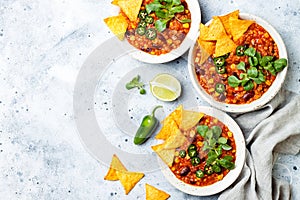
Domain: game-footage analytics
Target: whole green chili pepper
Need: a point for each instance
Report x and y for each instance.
(146, 128)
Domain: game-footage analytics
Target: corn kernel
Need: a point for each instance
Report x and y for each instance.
(173, 168)
(215, 120)
(229, 134)
(220, 177)
(268, 82)
(233, 151)
(186, 11)
(186, 25)
(211, 90)
(176, 160)
(169, 41)
(176, 153)
(212, 69)
(200, 144)
(152, 52)
(210, 81)
(232, 66)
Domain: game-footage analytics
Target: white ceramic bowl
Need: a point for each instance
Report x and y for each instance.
(231, 176)
(194, 8)
(266, 97)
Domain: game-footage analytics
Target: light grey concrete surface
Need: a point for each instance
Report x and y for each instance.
(43, 45)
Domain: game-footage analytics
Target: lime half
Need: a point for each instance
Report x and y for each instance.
(165, 87)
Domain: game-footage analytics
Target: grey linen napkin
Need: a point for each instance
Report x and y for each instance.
(268, 131)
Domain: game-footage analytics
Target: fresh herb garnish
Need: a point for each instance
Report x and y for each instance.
(214, 144)
(165, 10)
(135, 83)
(254, 72)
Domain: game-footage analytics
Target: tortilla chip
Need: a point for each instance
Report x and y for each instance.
(238, 27)
(129, 179)
(118, 25)
(153, 193)
(224, 45)
(176, 114)
(131, 8)
(169, 127)
(175, 140)
(115, 2)
(207, 48)
(190, 119)
(167, 155)
(115, 165)
(203, 31)
(216, 30)
(225, 20)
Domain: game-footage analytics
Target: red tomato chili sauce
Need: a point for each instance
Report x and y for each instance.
(210, 79)
(151, 40)
(191, 164)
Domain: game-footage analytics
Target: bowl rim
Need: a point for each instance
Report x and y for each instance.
(231, 176)
(267, 96)
(195, 10)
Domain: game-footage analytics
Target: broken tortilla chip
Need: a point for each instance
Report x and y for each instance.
(175, 140)
(190, 119)
(118, 25)
(167, 155)
(225, 20)
(238, 27)
(115, 165)
(224, 45)
(115, 2)
(176, 114)
(131, 8)
(169, 127)
(207, 48)
(153, 193)
(203, 31)
(129, 179)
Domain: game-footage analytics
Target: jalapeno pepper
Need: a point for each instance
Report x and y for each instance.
(149, 19)
(221, 69)
(143, 14)
(195, 161)
(240, 50)
(199, 173)
(141, 30)
(142, 24)
(182, 153)
(146, 128)
(151, 33)
(220, 88)
(219, 61)
(208, 170)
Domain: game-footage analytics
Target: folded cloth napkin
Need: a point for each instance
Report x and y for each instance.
(272, 129)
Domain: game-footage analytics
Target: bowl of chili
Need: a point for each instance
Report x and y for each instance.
(212, 159)
(246, 78)
(163, 31)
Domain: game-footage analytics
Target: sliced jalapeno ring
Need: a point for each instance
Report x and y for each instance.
(142, 24)
(199, 173)
(208, 170)
(149, 19)
(143, 14)
(141, 30)
(151, 33)
(182, 153)
(192, 147)
(221, 69)
(195, 161)
(192, 153)
(219, 61)
(220, 88)
(240, 50)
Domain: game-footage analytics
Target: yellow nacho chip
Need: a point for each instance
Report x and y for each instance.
(207, 48)
(225, 20)
(169, 127)
(238, 27)
(115, 2)
(216, 30)
(176, 114)
(190, 119)
(118, 25)
(175, 140)
(115, 165)
(153, 193)
(224, 45)
(131, 8)
(167, 155)
(204, 30)
(129, 179)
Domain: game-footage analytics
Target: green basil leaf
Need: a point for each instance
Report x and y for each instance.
(209, 134)
(258, 56)
(205, 146)
(160, 25)
(248, 86)
(250, 52)
(219, 150)
(233, 81)
(216, 168)
(280, 64)
(176, 9)
(245, 81)
(211, 159)
(265, 60)
(211, 153)
(202, 129)
(226, 147)
(222, 140)
(154, 6)
(257, 80)
(226, 164)
(261, 76)
(217, 131)
(241, 66)
(212, 142)
(252, 72)
(270, 68)
(130, 85)
(176, 2)
(253, 61)
(161, 13)
(229, 158)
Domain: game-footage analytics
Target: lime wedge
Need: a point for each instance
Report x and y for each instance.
(165, 87)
